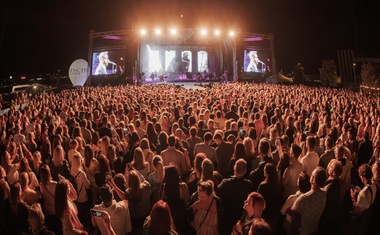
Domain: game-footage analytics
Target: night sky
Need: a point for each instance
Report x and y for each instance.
(44, 36)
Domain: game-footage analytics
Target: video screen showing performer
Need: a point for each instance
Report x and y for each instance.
(252, 62)
(108, 62)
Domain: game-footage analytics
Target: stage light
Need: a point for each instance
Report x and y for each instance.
(217, 32)
(203, 32)
(158, 31)
(173, 31)
(143, 32)
(232, 33)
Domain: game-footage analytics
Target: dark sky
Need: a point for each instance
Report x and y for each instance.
(42, 36)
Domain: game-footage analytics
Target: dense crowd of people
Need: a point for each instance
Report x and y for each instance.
(159, 159)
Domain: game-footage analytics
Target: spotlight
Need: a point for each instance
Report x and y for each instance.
(203, 32)
(232, 33)
(158, 31)
(173, 31)
(143, 32)
(217, 32)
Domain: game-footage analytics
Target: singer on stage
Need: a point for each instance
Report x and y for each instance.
(255, 65)
(103, 63)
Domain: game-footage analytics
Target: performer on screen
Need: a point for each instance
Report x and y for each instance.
(103, 63)
(185, 62)
(253, 64)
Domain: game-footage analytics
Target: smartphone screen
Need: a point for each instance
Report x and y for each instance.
(96, 213)
(108, 176)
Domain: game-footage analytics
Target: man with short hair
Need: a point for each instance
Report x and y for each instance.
(192, 141)
(233, 191)
(329, 154)
(257, 176)
(175, 157)
(310, 160)
(335, 195)
(309, 207)
(291, 173)
(206, 148)
(118, 211)
(224, 152)
(86, 133)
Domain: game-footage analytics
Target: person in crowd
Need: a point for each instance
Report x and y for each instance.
(65, 208)
(311, 159)
(291, 173)
(239, 153)
(253, 207)
(333, 213)
(340, 155)
(192, 141)
(174, 156)
(270, 189)
(363, 198)
(176, 194)
(160, 220)
(233, 191)
(58, 164)
(257, 176)
(303, 184)
(329, 154)
(15, 211)
(156, 178)
(207, 212)
(139, 163)
(118, 211)
(36, 220)
(82, 184)
(206, 148)
(308, 208)
(138, 196)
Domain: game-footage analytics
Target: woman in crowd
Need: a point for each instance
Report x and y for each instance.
(138, 196)
(148, 154)
(82, 184)
(139, 163)
(91, 166)
(156, 177)
(270, 189)
(25, 167)
(162, 142)
(196, 174)
(176, 194)
(152, 136)
(160, 221)
(58, 164)
(36, 220)
(16, 211)
(239, 152)
(207, 212)
(47, 188)
(65, 208)
(253, 209)
(104, 168)
(28, 195)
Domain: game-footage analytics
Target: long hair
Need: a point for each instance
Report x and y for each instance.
(239, 151)
(61, 199)
(15, 196)
(111, 155)
(258, 203)
(134, 190)
(139, 159)
(172, 181)
(58, 156)
(88, 155)
(103, 164)
(161, 221)
(45, 174)
(207, 170)
(272, 176)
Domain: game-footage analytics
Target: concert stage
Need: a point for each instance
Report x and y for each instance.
(183, 55)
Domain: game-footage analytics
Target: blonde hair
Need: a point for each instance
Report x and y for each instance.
(58, 155)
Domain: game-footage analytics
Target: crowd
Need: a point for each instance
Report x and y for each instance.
(158, 159)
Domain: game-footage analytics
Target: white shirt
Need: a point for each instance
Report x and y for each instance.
(310, 162)
(120, 217)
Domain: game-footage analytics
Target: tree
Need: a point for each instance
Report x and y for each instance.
(368, 76)
(328, 73)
